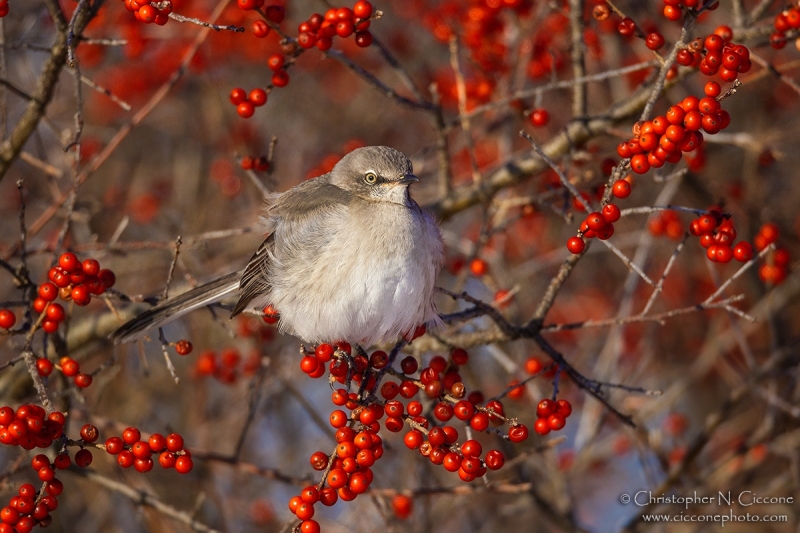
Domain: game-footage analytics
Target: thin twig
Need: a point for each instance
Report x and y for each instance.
(215, 27)
(172, 264)
(738, 273)
(660, 284)
(167, 358)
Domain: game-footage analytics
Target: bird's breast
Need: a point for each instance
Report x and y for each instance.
(369, 277)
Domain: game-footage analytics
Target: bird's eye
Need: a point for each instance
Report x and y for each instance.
(370, 177)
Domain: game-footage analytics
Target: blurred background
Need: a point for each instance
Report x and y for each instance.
(726, 418)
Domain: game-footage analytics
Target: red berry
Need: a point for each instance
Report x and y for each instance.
(183, 347)
(478, 267)
(260, 29)
(257, 97)
(83, 380)
(69, 262)
(743, 252)
(495, 460)
(480, 421)
(654, 41)
(131, 435)
(184, 464)
(125, 459)
(626, 27)
(363, 38)
(556, 421)
(80, 295)
(89, 433)
(576, 245)
(166, 459)
(275, 13)
(7, 319)
(143, 464)
(413, 439)
(91, 267)
(362, 9)
(280, 78)
(541, 426)
(518, 433)
(48, 292)
(540, 117)
(621, 189)
(69, 367)
(238, 96)
(344, 28)
(245, 109)
(402, 506)
(83, 458)
(44, 366)
(114, 445)
(275, 62)
(174, 442)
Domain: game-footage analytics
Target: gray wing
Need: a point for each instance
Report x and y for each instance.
(169, 310)
(255, 279)
(289, 211)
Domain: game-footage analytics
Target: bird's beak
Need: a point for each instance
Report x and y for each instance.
(407, 180)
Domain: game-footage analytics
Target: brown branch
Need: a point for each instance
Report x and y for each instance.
(45, 87)
(516, 170)
(577, 57)
(142, 498)
(123, 132)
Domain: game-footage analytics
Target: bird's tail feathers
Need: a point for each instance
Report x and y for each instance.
(170, 309)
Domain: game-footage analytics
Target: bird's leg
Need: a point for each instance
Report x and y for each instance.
(364, 380)
(351, 366)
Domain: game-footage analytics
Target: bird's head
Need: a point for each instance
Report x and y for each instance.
(375, 173)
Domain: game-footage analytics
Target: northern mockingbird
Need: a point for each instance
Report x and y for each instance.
(349, 257)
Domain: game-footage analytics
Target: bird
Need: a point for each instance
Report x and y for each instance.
(348, 256)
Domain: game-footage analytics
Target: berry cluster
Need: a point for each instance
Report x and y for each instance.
(3, 8)
(274, 13)
(599, 224)
(68, 366)
(70, 280)
(777, 262)
(228, 365)
(350, 472)
(667, 223)
(314, 365)
(30, 508)
(30, 427)
(245, 103)
(148, 11)
(343, 365)
(785, 21)
(716, 54)
(552, 416)
(318, 30)
(717, 235)
(259, 164)
(132, 451)
(666, 137)
(343, 22)
(482, 24)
